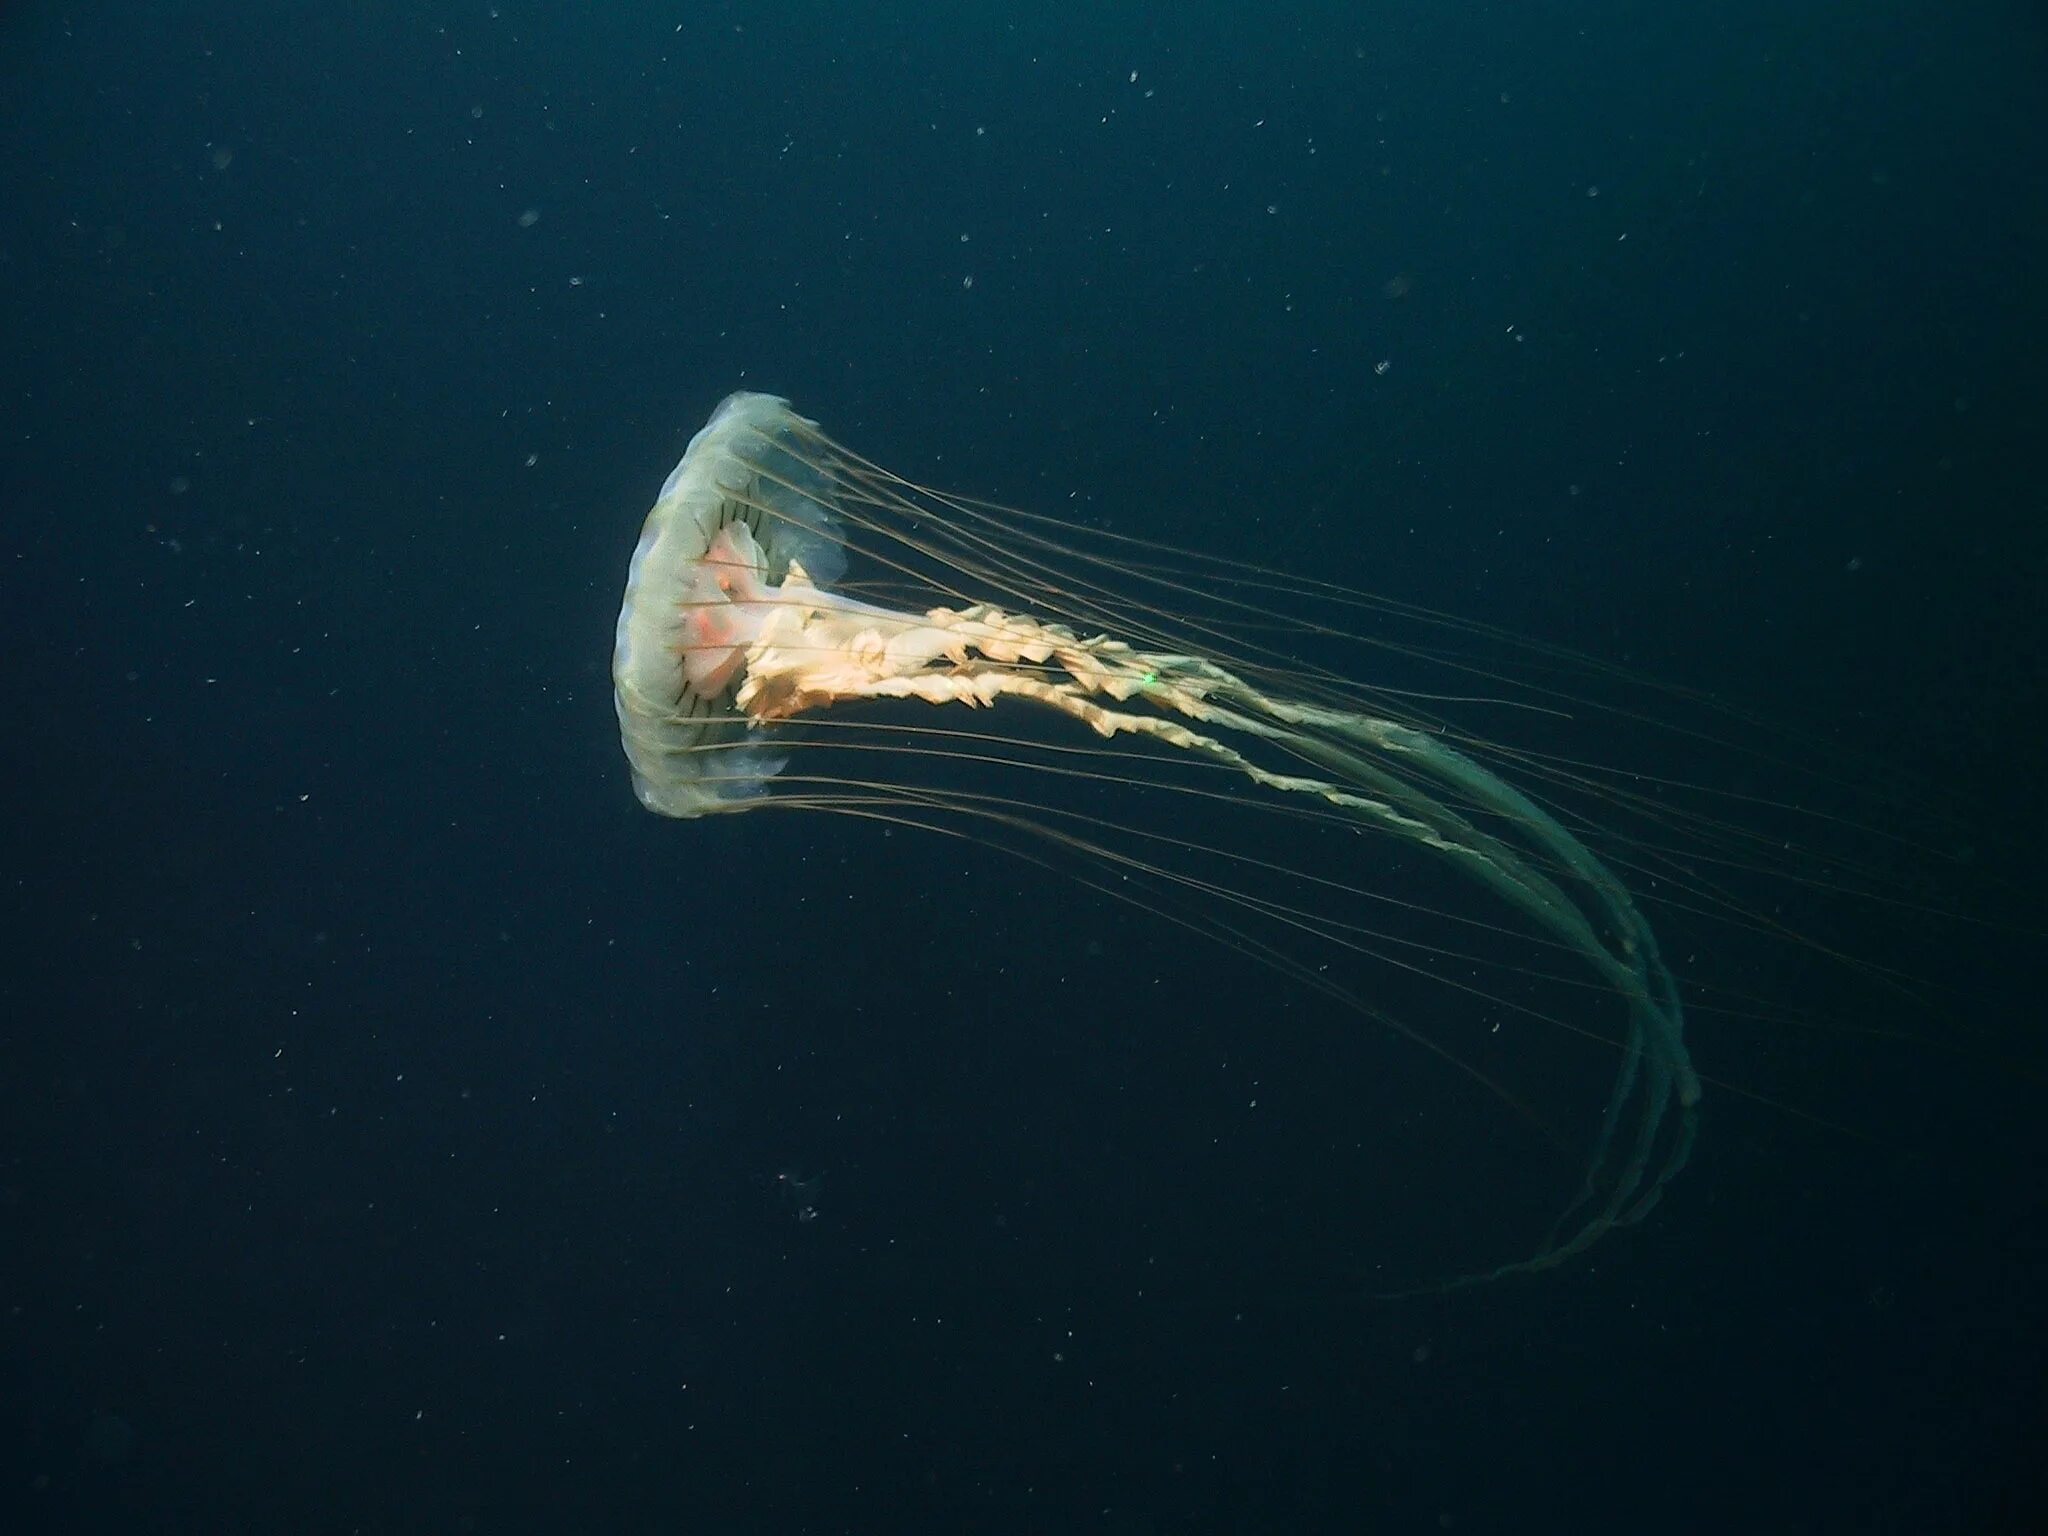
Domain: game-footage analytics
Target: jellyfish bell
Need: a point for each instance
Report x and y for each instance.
(785, 588)
(738, 510)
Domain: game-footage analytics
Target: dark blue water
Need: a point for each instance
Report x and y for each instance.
(403, 1131)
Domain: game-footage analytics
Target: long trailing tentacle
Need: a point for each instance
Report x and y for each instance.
(815, 650)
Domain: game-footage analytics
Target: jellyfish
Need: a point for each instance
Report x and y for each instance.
(793, 608)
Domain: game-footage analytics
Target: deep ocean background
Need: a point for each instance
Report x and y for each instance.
(402, 1131)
